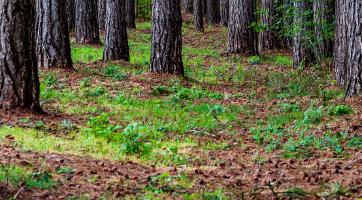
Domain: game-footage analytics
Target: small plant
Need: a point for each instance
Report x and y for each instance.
(313, 115)
(39, 125)
(283, 60)
(160, 90)
(41, 180)
(340, 110)
(50, 80)
(65, 170)
(67, 125)
(135, 140)
(216, 195)
(113, 71)
(254, 60)
(100, 126)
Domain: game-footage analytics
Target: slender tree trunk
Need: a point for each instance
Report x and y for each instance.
(198, 16)
(348, 46)
(87, 29)
(53, 46)
(268, 37)
(166, 50)
(242, 37)
(301, 52)
(213, 12)
(19, 82)
(224, 12)
(70, 8)
(116, 44)
(102, 14)
(130, 14)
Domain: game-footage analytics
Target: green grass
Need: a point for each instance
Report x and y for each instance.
(86, 54)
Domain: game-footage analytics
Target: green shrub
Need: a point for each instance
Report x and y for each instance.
(135, 140)
(254, 60)
(283, 60)
(313, 115)
(340, 110)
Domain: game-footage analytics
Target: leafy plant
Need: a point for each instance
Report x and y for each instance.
(135, 140)
(313, 115)
(340, 110)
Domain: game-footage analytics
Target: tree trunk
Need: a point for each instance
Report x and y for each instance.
(130, 14)
(224, 12)
(102, 14)
(116, 43)
(301, 52)
(242, 37)
(70, 8)
(87, 29)
(198, 16)
(19, 82)
(187, 5)
(322, 18)
(53, 46)
(268, 37)
(348, 46)
(213, 12)
(166, 50)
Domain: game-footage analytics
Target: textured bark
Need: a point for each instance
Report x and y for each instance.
(187, 5)
(87, 29)
(242, 37)
(224, 12)
(102, 14)
(19, 82)
(198, 16)
(348, 46)
(116, 43)
(213, 12)
(70, 8)
(166, 51)
(53, 46)
(268, 38)
(322, 17)
(300, 51)
(130, 14)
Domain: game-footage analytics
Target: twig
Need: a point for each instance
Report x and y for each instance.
(18, 193)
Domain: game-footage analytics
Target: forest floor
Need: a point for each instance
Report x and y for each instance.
(234, 128)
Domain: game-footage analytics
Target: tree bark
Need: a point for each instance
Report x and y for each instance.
(268, 37)
(322, 18)
(224, 12)
(348, 46)
(102, 14)
(301, 54)
(116, 43)
(213, 12)
(87, 29)
(131, 14)
(166, 49)
(53, 45)
(70, 9)
(187, 5)
(19, 82)
(198, 16)
(242, 37)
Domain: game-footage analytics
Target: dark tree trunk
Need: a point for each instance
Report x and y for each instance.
(301, 52)
(198, 16)
(268, 37)
(187, 5)
(242, 37)
(348, 46)
(116, 43)
(204, 10)
(166, 51)
(224, 12)
(213, 12)
(130, 14)
(87, 29)
(322, 18)
(70, 8)
(53, 46)
(102, 14)
(19, 82)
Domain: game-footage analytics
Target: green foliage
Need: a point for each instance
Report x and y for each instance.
(216, 195)
(100, 126)
(135, 140)
(313, 115)
(283, 60)
(255, 60)
(41, 180)
(65, 170)
(86, 54)
(114, 71)
(340, 110)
